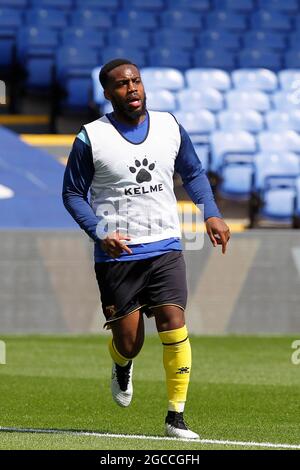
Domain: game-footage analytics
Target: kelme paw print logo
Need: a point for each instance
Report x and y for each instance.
(142, 170)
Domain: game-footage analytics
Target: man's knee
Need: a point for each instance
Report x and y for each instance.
(129, 347)
(169, 317)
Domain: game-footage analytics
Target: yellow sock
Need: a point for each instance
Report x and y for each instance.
(115, 355)
(177, 359)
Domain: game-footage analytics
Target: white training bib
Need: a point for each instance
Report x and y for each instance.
(132, 189)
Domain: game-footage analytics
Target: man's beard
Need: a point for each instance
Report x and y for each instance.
(127, 113)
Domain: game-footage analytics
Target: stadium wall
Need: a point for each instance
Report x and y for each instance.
(48, 285)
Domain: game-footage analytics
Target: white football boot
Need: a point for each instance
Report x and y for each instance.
(176, 427)
(121, 384)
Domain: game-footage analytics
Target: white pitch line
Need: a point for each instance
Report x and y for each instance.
(150, 438)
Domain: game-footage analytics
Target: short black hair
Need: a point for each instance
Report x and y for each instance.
(103, 75)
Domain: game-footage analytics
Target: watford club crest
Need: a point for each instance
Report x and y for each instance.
(110, 311)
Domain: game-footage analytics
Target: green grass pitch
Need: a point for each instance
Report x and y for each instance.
(242, 389)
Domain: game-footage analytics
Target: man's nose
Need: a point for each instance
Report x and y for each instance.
(131, 86)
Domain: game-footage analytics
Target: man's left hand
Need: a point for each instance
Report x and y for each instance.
(218, 231)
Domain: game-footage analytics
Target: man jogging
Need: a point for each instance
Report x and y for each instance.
(127, 160)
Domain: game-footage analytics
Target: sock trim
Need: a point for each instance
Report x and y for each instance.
(177, 342)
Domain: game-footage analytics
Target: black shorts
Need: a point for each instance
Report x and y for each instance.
(127, 286)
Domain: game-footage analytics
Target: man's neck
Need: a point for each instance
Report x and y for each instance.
(129, 122)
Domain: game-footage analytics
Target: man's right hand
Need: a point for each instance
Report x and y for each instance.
(113, 244)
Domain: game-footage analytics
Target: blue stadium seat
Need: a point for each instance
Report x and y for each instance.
(10, 21)
(137, 19)
(18, 4)
(243, 100)
(135, 55)
(48, 18)
(223, 39)
(71, 60)
(169, 57)
(286, 100)
(271, 20)
(214, 58)
(193, 100)
(201, 122)
(161, 100)
(170, 37)
(274, 184)
(238, 6)
(89, 37)
(190, 5)
(285, 141)
(148, 5)
(227, 20)
(112, 5)
(278, 121)
(180, 19)
(289, 79)
(91, 19)
(265, 40)
(256, 58)
(236, 145)
(36, 47)
(97, 91)
(294, 40)
(126, 37)
(292, 59)
(248, 120)
(236, 177)
(65, 5)
(202, 78)
(167, 78)
(255, 79)
(286, 6)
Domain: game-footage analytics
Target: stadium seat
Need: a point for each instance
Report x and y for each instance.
(214, 58)
(294, 39)
(238, 6)
(181, 19)
(190, 5)
(202, 78)
(285, 141)
(202, 151)
(91, 19)
(236, 178)
(135, 55)
(169, 57)
(256, 58)
(289, 79)
(201, 122)
(271, 20)
(223, 39)
(82, 36)
(274, 186)
(97, 92)
(125, 38)
(243, 100)
(168, 37)
(10, 21)
(193, 100)
(228, 20)
(69, 59)
(16, 4)
(105, 5)
(36, 47)
(286, 100)
(255, 79)
(248, 120)
(161, 100)
(286, 6)
(148, 5)
(167, 78)
(265, 40)
(292, 59)
(235, 145)
(278, 121)
(48, 18)
(137, 19)
(65, 5)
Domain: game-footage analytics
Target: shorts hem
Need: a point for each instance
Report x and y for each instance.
(108, 322)
(161, 305)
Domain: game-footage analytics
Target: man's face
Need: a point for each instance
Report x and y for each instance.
(126, 92)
